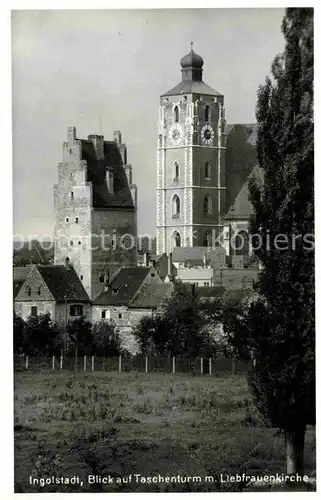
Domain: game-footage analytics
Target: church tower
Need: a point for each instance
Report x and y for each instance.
(190, 161)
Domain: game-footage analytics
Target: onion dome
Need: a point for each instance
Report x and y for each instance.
(192, 60)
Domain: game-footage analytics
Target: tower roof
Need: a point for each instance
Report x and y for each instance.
(192, 77)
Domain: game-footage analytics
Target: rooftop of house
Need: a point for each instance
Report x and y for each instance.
(21, 273)
(123, 287)
(63, 283)
(151, 296)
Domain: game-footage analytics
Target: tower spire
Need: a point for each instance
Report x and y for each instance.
(192, 43)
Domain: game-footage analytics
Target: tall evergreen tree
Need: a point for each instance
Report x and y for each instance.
(282, 324)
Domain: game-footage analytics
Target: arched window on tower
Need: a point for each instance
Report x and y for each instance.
(207, 113)
(176, 171)
(176, 239)
(176, 206)
(207, 170)
(207, 239)
(176, 114)
(208, 206)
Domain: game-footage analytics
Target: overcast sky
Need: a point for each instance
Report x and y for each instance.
(70, 67)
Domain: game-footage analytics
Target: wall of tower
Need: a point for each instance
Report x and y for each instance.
(72, 207)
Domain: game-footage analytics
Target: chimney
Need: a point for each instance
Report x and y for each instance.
(71, 134)
(98, 142)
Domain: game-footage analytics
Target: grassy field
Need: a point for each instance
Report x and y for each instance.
(119, 424)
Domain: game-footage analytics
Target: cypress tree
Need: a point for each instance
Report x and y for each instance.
(281, 324)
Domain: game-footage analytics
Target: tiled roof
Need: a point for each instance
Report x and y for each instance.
(191, 87)
(102, 198)
(17, 284)
(210, 291)
(63, 282)
(151, 296)
(123, 287)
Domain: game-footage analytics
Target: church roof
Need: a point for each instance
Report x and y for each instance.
(103, 198)
(192, 87)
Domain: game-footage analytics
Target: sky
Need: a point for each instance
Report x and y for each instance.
(71, 67)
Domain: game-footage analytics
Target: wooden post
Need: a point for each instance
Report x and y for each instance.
(27, 362)
(210, 366)
(61, 362)
(146, 364)
(173, 364)
(254, 362)
(92, 363)
(85, 362)
(119, 364)
(202, 365)
(76, 358)
(233, 367)
(53, 362)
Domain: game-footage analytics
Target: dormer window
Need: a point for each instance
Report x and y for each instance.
(29, 291)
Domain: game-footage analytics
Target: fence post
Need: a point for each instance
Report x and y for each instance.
(254, 362)
(85, 362)
(92, 363)
(27, 362)
(61, 358)
(146, 364)
(173, 364)
(233, 367)
(202, 365)
(53, 362)
(210, 366)
(119, 364)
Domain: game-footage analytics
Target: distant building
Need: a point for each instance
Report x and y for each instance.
(56, 290)
(133, 293)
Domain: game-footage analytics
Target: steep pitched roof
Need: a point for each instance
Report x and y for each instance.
(124, 286)
(191, 87)
(151, 296)
(96, 173)
(63, 282)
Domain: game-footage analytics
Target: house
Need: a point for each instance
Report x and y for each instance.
(52, 289)
(114, 303)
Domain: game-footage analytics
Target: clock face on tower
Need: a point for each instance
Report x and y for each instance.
(176, 134)
(207, 134)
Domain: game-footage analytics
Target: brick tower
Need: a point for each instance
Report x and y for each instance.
(95, 209)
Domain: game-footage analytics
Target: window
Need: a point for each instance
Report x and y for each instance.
(176, 239)
(29, 291)
(67, 219)
(81, 277)
(176, 170)
(176, 206)
(76, 220)
(120, 315)
(79, 242)
(176, 114)
(39, 290)
(101, 278)
(208, 206)
(207, 170)
(207, 239)
(206, 283)
(76, 310)
(207, 113)
(72, 195)
(103, 314)
(71, 243)
(34, 311)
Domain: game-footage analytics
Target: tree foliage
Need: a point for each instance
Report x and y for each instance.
(106, 339)
(42, 336)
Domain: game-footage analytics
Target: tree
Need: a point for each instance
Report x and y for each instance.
(281, 326)
(79, 336)
(106, 339)
(18, 330)
(41, 336)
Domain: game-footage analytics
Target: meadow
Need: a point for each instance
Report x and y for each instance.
(117, 424)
